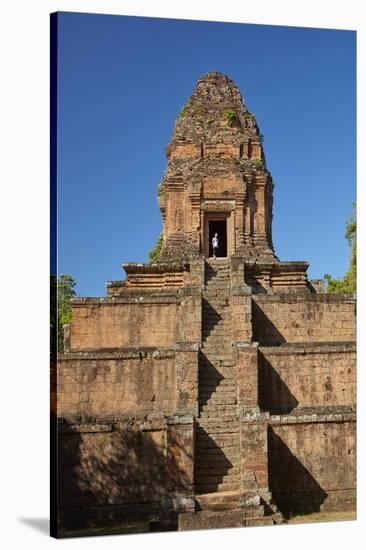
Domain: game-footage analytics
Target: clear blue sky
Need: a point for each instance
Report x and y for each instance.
(122, 83)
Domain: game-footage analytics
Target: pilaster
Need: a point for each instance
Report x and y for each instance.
(186, 378)
(247, 376)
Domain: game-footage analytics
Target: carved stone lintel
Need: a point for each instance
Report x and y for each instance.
(218, 206)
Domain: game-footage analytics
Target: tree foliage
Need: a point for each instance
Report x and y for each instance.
(62, 290)
(155, 252)
(347, 284)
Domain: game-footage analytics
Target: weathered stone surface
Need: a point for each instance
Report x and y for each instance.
(216, 165)
(306, 376)
(204, 392)
(113, 386)
(312, 466)
(210, 520)
(297, 318)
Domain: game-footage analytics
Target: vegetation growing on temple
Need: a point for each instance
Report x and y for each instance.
(258, 164)
(155, 252)
(230, 117)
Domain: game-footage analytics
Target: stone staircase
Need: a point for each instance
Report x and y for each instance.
(219, 498)
(217, 464)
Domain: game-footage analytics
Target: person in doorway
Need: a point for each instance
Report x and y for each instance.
(215, 245)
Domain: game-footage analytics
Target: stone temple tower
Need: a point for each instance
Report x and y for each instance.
(207, 392)
(216, 179)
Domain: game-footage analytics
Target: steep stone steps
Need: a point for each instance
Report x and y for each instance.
(224, 355)
(225, 459)
(225, 500)
(215, 281)
(211, 301)
(212, 345)
(224, 360)
(217, 458)
(223, 375)
(226, 396)
(215, 349)
(216, 441)
(217, 470)
(215, 331)
(214, 338)
(211, 457)
(212, 399)
(218, 426)
(213, 318)
(228, 482)
(217, 286)
(212, 414)
(221, 320)
(225, 408)
(215, 323)
(210, 519)
(221, 400)
(218, 387)
(203, 488)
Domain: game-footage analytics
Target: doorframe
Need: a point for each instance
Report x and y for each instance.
(212, 217)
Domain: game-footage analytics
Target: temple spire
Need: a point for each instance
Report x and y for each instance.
(216, 173)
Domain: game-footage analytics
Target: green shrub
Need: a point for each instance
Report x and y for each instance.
(230, 117)
(258, 164)
(155, 252)
(348, 283)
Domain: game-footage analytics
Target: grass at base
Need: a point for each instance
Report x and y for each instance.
(324, 516)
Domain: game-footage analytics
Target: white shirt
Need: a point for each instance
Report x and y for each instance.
(215, 242)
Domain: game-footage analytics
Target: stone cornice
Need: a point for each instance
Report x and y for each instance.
(117, 353)
(132, 268)
(133, 296)
(315, 415)
(109, 422)
(275, 265)
(288, 298)
(307, 348)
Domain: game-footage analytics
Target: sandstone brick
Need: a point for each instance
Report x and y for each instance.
(164, 395)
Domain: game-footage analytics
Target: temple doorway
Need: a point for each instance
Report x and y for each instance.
(219, 227)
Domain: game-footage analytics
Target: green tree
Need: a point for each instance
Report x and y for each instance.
(155, 252)
(53, 300)
(62, 290)
(347, 284)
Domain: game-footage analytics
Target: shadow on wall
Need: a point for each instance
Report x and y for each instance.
(109, 476)
(273, 394)
(294, 489)
(210, 272)
(209, 378)
(211, 318)
(264, 331)
(211, 463)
